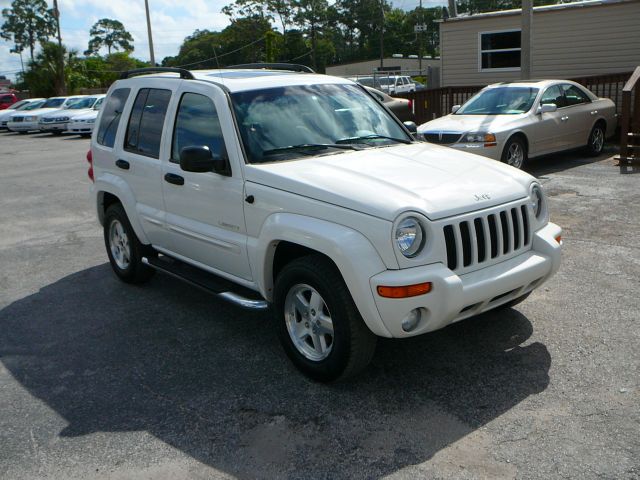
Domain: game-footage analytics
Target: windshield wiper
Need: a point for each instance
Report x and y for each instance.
(373, 136)
(309, 146)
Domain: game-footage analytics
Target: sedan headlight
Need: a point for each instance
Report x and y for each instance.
(489, 139)
(91, 121)
(410, 237)
(537, 201)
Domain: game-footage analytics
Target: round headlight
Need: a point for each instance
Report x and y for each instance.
(538, 198)
(410, 237)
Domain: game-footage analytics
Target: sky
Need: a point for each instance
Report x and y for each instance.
(171, 20)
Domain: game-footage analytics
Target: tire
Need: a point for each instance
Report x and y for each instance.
(510, 154)
(338, 344)
(22, 132)
(595, 144)
(56, 133)
(123, 247)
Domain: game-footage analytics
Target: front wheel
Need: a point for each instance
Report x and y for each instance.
(596, 140)
(318, 324)
(123, 247)
(515, 153)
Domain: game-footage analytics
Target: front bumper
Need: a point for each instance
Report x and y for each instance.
(494, 153)
(455, 297)
(53, 127)
(23, 126)
(80, 128)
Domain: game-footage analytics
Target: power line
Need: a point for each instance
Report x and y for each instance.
(224, 54)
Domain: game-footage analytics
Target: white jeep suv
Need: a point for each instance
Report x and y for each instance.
(270, 185)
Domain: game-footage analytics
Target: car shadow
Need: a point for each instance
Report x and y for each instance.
(211, 380)
(558, 162)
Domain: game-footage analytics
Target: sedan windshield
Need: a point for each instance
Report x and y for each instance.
(53, 103)
(291, 122)
(500, 101)
(33, 105)
(81, 103)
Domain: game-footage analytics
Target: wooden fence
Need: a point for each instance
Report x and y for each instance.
(436, 102)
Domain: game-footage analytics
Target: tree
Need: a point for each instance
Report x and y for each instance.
(27, 22)
(111, 34)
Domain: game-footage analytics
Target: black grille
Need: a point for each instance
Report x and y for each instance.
(442, 139)
(18, 119)
(486, 237)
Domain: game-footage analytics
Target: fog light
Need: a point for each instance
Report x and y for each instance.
(411, 321)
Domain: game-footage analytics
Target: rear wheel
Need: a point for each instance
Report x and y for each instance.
(515, 152)
(596, 140)
(319, 326)
(123, 247)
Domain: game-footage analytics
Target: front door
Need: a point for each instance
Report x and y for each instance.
(550, 129)
(205, 211)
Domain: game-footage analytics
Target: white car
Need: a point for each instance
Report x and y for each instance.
(24, 122)
(513, 122)
(396, 84)
(56, 122)
(83, 124)
(21, 105)
(26, 104)
(301, 191)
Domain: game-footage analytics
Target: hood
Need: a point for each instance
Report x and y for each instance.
(470, 123)
(36, 112)
(6, 113)
(65, 112)
(384, 182)
(87, 115)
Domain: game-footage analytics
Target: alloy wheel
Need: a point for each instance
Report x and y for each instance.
(119, 245)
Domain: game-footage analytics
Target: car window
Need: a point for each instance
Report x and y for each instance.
(33, 105)
(111, 116)
(53, 103)
(500, 101)
(197, 125)
(20, 104)
(552, 95)
(573, 95)
(6, 98)
(144, 130)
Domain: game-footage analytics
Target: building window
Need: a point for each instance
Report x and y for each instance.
(500, 50)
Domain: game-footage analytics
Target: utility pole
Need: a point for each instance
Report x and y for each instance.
(381, 34)
(62, 88)
(420, 29)
(152, 57)
(453, 11)
(525, 39)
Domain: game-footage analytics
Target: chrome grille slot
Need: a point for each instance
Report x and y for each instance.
(486, 238)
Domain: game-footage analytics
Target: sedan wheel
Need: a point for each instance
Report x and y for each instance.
(596, 141)
(515, 153)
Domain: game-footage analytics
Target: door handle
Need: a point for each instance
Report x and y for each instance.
(123, 164)
(173, 178)
(564, 119)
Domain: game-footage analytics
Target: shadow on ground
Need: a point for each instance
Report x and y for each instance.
(558, 162)
(211, 380)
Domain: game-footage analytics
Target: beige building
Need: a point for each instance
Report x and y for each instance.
(568, 40)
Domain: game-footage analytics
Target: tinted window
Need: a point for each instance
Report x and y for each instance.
(197, 125)
(53, 102)
(111, 117)
(573, 95)
(144, 131)
(552, 95)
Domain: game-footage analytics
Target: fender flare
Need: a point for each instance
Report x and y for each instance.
(353, 254)
(116, 186)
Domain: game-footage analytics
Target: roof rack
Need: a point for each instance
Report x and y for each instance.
(292, 67)
(185, 74)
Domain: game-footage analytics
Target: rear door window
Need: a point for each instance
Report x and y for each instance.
(144, 131)
(111, 117)
(573, 95)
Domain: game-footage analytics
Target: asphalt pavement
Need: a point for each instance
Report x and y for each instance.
(99, 379)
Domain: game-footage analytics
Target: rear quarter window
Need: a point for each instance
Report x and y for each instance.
(144, 131)
(111, 116)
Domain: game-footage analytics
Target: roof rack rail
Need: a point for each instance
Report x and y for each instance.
(185, 74)
(293, 67)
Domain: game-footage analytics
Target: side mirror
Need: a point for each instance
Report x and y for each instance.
(455, 108)
(411, 126)
(200, 160)
(547, 108)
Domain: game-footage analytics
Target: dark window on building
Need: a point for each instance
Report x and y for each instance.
(111, 117)
(144, 131)
(500, 50)
(197, 125)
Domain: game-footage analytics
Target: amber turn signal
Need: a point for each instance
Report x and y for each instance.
(490, 140)
(559, 239)
(405, 291)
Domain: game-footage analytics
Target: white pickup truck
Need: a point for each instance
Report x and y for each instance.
(271, 185)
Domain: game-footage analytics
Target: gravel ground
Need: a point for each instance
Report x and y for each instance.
(99, 379)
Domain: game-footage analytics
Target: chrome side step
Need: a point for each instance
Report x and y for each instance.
(208, 282)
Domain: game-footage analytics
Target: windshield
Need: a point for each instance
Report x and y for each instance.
(99, 103)
(500, 101)
(288, 122)
(53, 103)
(81, 103)
(33, 105)
(19, 105)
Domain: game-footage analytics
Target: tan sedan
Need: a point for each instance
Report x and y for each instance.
(513, 122)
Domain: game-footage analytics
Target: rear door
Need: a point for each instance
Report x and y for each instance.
(205, 211)
(136, 154)
(578, 114)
